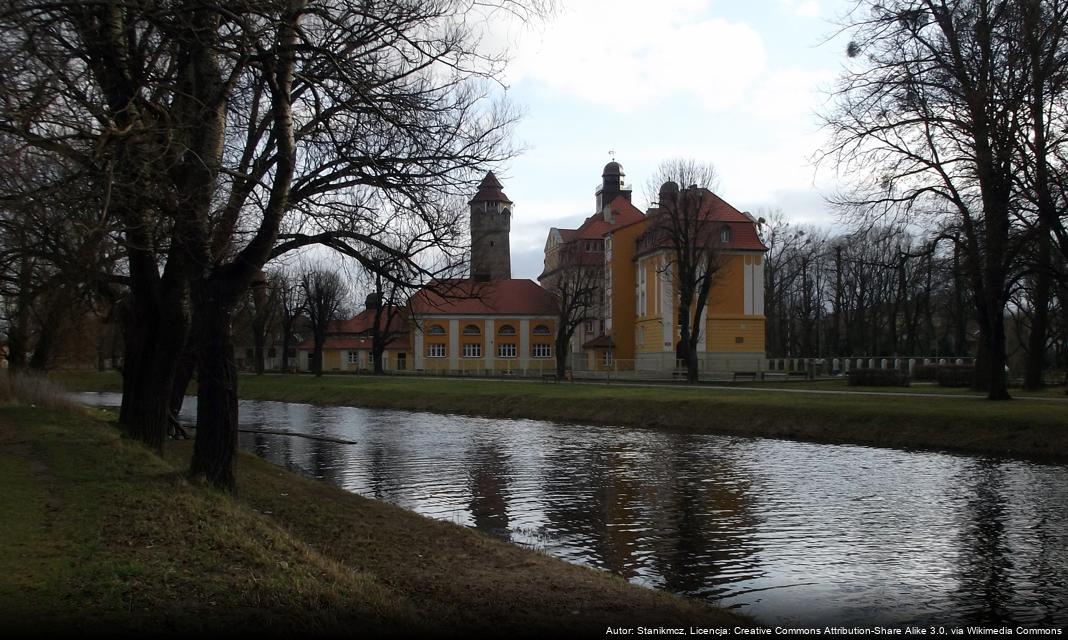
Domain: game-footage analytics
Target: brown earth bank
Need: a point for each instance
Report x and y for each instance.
(104, 537)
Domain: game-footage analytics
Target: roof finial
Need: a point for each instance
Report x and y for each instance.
(612, 154)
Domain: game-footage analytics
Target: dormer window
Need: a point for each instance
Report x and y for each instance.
(725, 235)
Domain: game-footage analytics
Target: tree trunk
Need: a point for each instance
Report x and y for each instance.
(287, 333)
(317, 355)
(216, 439)
(561, 355)
(18, 336)
(1036, 343)
(153, 343)
(691, 363)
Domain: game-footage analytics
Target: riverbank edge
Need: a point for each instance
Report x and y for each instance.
(285, 543)
(822, 425)
(1033, 430)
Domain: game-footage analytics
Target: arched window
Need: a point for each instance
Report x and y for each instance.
(436, 330)
(472, 330)
(725, 234)
(542, 330)
(506, 330)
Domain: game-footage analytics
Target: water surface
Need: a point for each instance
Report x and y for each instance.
(788, 532)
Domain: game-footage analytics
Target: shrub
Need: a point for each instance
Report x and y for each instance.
(925, 372)
(955, 375)
(878, 378)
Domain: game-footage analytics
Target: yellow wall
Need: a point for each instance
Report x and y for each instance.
(728, 289)
(725, 320)
(722, 333)
(479, 363)
(622, 266)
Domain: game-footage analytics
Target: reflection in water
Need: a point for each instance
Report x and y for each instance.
(787, 532)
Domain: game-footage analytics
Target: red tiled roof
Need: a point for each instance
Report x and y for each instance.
(623, 212)
(744, 235)
(353, 343)
(600, 342)
(493, 297)
(365, 320)
(490, 190)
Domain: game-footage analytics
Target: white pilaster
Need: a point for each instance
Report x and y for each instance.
(417, 356)
(490, 344)
(454, 344)
(524, 344)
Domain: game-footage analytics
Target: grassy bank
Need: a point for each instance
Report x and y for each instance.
(102, 536)
(1030, 428)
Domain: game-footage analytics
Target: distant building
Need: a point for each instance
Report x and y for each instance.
(348, 345)
(635, 324)
(489, 322)
(584, 248)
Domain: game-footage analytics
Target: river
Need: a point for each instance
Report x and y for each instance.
(788, 532)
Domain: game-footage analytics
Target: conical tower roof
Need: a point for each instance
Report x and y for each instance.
(490, 190)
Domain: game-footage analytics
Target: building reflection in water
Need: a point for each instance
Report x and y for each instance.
(791, 532)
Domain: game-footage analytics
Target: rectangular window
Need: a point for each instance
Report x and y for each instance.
(354, 357)
(607, 358)
(435, 351)
(506, 351)
(542, 351)
(473, 350)
(589, 326)
(739, 340)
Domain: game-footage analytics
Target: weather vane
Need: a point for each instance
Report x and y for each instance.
(612, 153)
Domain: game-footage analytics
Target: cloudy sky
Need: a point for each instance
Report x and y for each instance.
(731, 82)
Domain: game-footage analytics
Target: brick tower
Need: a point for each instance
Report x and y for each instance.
(491, 222)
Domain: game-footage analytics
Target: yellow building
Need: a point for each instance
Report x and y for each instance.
(644, 290)
(490, 323)
(496, 326)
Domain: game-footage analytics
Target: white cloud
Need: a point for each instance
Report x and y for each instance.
(633, 53)
(793, 93)
(803, 8)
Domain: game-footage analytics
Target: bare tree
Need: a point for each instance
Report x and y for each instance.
(576, 280)
(324, 294)
(683, 225)
(217, 130)
(926, 123)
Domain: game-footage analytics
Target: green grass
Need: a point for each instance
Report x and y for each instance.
(102, 536)
(1032, 428)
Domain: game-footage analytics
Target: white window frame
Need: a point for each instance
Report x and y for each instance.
(507, 350)
(472, 350)
(541, 350)
(436, 351)
(354, 357)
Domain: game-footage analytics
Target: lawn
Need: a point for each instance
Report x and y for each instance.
(103, 536)
(1027, 427)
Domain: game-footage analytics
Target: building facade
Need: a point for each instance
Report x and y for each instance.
(489, 323)
(636, 326)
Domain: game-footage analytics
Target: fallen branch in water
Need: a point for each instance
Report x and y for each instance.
(279, 432)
